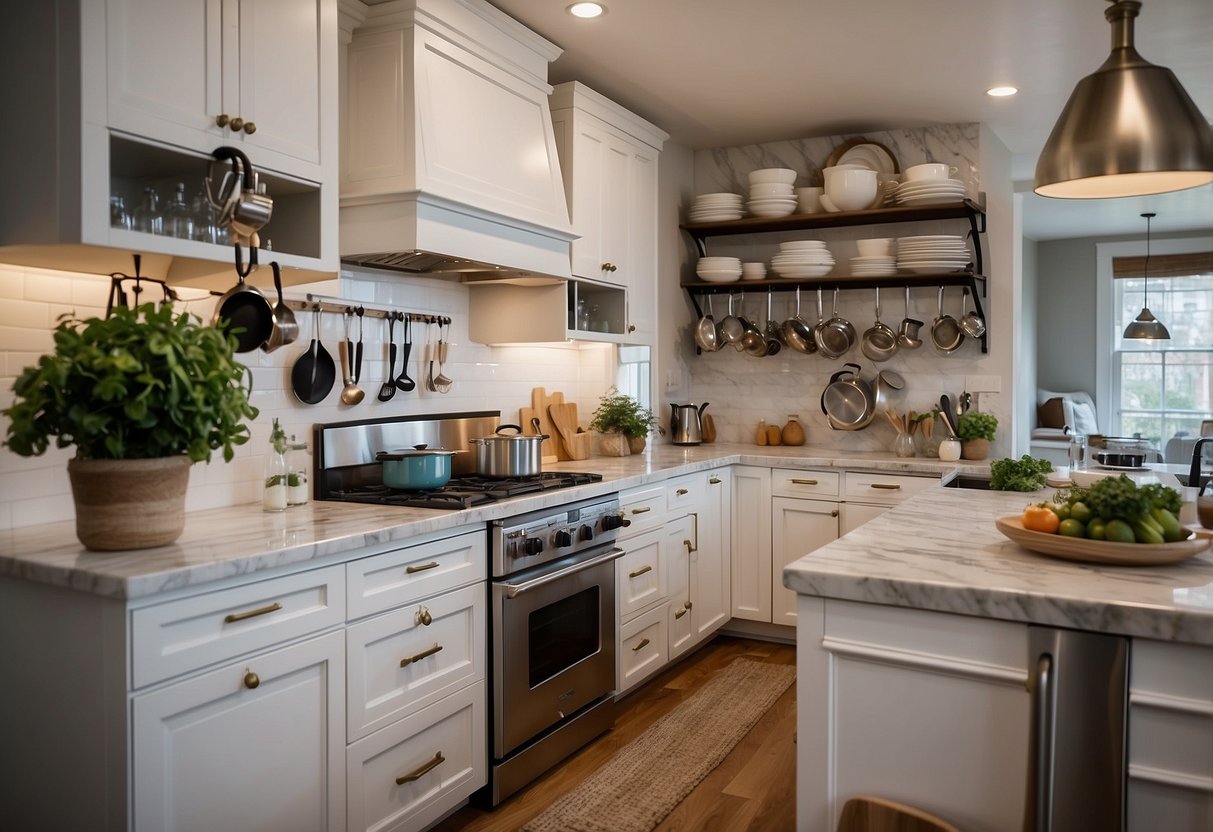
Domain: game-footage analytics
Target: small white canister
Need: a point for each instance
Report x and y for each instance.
(949, 450)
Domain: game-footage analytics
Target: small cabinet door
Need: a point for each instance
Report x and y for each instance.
(854, 515)
(600, 202)
(711, 561)
(751, 543)
(677, 548)
(258, 744)
(797, 528)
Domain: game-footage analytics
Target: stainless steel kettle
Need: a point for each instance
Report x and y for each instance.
(686, 423)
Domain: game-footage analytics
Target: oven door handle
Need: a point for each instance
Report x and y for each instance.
(514, 590)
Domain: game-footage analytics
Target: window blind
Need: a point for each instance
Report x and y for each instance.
(1164, 265)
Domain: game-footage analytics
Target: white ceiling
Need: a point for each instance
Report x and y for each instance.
(718, 73)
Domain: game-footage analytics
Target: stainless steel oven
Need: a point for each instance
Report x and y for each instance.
(553, 636)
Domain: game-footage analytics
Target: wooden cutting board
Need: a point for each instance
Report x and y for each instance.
(553, 449)
(564, 418)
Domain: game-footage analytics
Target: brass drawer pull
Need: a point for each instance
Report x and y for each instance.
(682, 492)
(412, 570)
(421, 771)
(644, 642)
(681, 612)
(715, 480)
(233, 617)
(804, 482)
(251, 680)
(641, 510)
(640, 571)
(423, 654)
(886, 486)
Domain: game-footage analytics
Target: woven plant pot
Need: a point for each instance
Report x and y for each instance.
(636, 444)
(974, 448)
(129, 503)
(614, 444)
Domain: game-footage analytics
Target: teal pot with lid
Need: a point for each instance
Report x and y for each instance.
(417, 468)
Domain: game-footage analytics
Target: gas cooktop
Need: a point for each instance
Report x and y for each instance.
(462, 492)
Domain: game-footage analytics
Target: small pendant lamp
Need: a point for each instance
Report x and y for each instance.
(1129, 128)
(1145, 326)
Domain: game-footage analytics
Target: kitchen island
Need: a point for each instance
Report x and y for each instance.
(914, 667)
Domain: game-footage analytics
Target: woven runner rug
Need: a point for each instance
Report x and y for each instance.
(651, 775)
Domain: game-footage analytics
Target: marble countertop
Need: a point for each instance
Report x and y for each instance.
(941, 551)
(235, 541)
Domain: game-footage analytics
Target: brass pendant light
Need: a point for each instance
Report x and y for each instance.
(1145, 327)
(1129, 128)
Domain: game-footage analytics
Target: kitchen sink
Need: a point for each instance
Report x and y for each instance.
(969, 481)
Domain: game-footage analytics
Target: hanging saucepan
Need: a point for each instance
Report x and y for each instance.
(413, 469)
(888, 389)
(836, 335)
(242, 204)
(880, 341)
(848, 401)
(705, 331)
(509, 455)
(245, 312)
(946, 334)
(797, 332)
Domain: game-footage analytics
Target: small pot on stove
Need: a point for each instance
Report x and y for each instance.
(509, 454)
(416, 468)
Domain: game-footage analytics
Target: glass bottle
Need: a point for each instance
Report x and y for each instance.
(148, 216)
(178, 218)
(903, 445)
(298, 463)
(274, 497)
(119, 216)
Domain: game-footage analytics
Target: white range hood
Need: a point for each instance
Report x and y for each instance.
(449, 161)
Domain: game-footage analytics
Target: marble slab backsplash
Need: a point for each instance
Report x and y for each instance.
(726, 169)
(742, 390)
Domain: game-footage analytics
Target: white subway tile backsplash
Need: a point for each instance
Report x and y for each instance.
(47, 286)
(25, 313)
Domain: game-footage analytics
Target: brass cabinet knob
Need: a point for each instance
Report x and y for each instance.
(237, 124)
(631, 327)
(222, 119)
(609, 267)
(251, 680)
(250, 128)
(834, 513)
(424, 618)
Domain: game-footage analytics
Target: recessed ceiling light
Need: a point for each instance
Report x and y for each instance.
(1002, 92)
(586, 10)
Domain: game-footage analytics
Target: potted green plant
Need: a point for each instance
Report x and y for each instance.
(142, 394)
(623, 423)
(976, 431)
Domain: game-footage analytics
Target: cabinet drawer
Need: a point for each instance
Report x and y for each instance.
(884, 488)
(438, 658)
(689, 491)
(440, 751)
(787, 482)
(1171, 715)
(185, 635)
(639, 579)
(644, 509)
(405, 575)
(643, 647)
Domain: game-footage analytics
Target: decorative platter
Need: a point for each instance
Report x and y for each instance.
(1102, 551)
(864, 152)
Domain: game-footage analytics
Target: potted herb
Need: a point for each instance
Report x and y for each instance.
(623, 423)
(141, 394)
(976, 431)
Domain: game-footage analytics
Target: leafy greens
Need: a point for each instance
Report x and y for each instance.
(1024, 474)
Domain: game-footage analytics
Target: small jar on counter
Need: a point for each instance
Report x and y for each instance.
(274, 495)
(298, 463)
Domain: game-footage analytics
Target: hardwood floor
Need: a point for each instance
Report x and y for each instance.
(753, 789)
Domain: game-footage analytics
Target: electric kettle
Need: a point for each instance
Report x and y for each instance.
(686, 423)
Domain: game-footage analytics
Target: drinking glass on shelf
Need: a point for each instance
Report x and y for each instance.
(178, 218)
(119, 216)
(148, 216)
(1078, 452)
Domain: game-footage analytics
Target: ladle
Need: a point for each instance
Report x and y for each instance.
(351, 393)
(389, 387)
(403, 382)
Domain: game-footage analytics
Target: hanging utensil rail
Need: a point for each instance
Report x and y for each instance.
(319, 303)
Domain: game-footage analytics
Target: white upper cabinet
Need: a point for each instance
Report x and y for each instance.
(608, 157)
(256, 74)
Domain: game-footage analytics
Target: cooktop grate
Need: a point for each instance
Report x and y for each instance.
(463, 492)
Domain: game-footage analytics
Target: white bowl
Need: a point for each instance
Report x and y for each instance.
(714, 262)
(933, 170)
(761, 211)
(874, 246)
(720, 277)
(785, 176)
(770, 189)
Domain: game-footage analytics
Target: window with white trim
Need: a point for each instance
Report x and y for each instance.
(1161, 389)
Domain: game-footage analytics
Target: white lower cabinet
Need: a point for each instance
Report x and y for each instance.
(643, 647)
(412, 773)
(257, 744)
(923, 708)
(797, 528)
(1170, 776)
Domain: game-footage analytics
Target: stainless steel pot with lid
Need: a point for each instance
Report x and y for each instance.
(848, 401)
(509, 454)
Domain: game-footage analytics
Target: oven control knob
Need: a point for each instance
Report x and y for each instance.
(562, 538)
(613, 521)
(585, 533)
(532, 545)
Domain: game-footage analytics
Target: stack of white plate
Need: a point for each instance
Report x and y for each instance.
(715, 208)
(802, 259)
(719, 269)
(771, 192)
(873, 265)
(930, 192)
(932, 253)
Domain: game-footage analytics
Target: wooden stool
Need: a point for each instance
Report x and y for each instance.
(874, 814)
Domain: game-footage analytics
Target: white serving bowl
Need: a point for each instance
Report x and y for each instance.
(766, 211)
(770, 189)
(932, 170)
(720, 262)
(720, 277)
(874, 246)
(784, 176)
